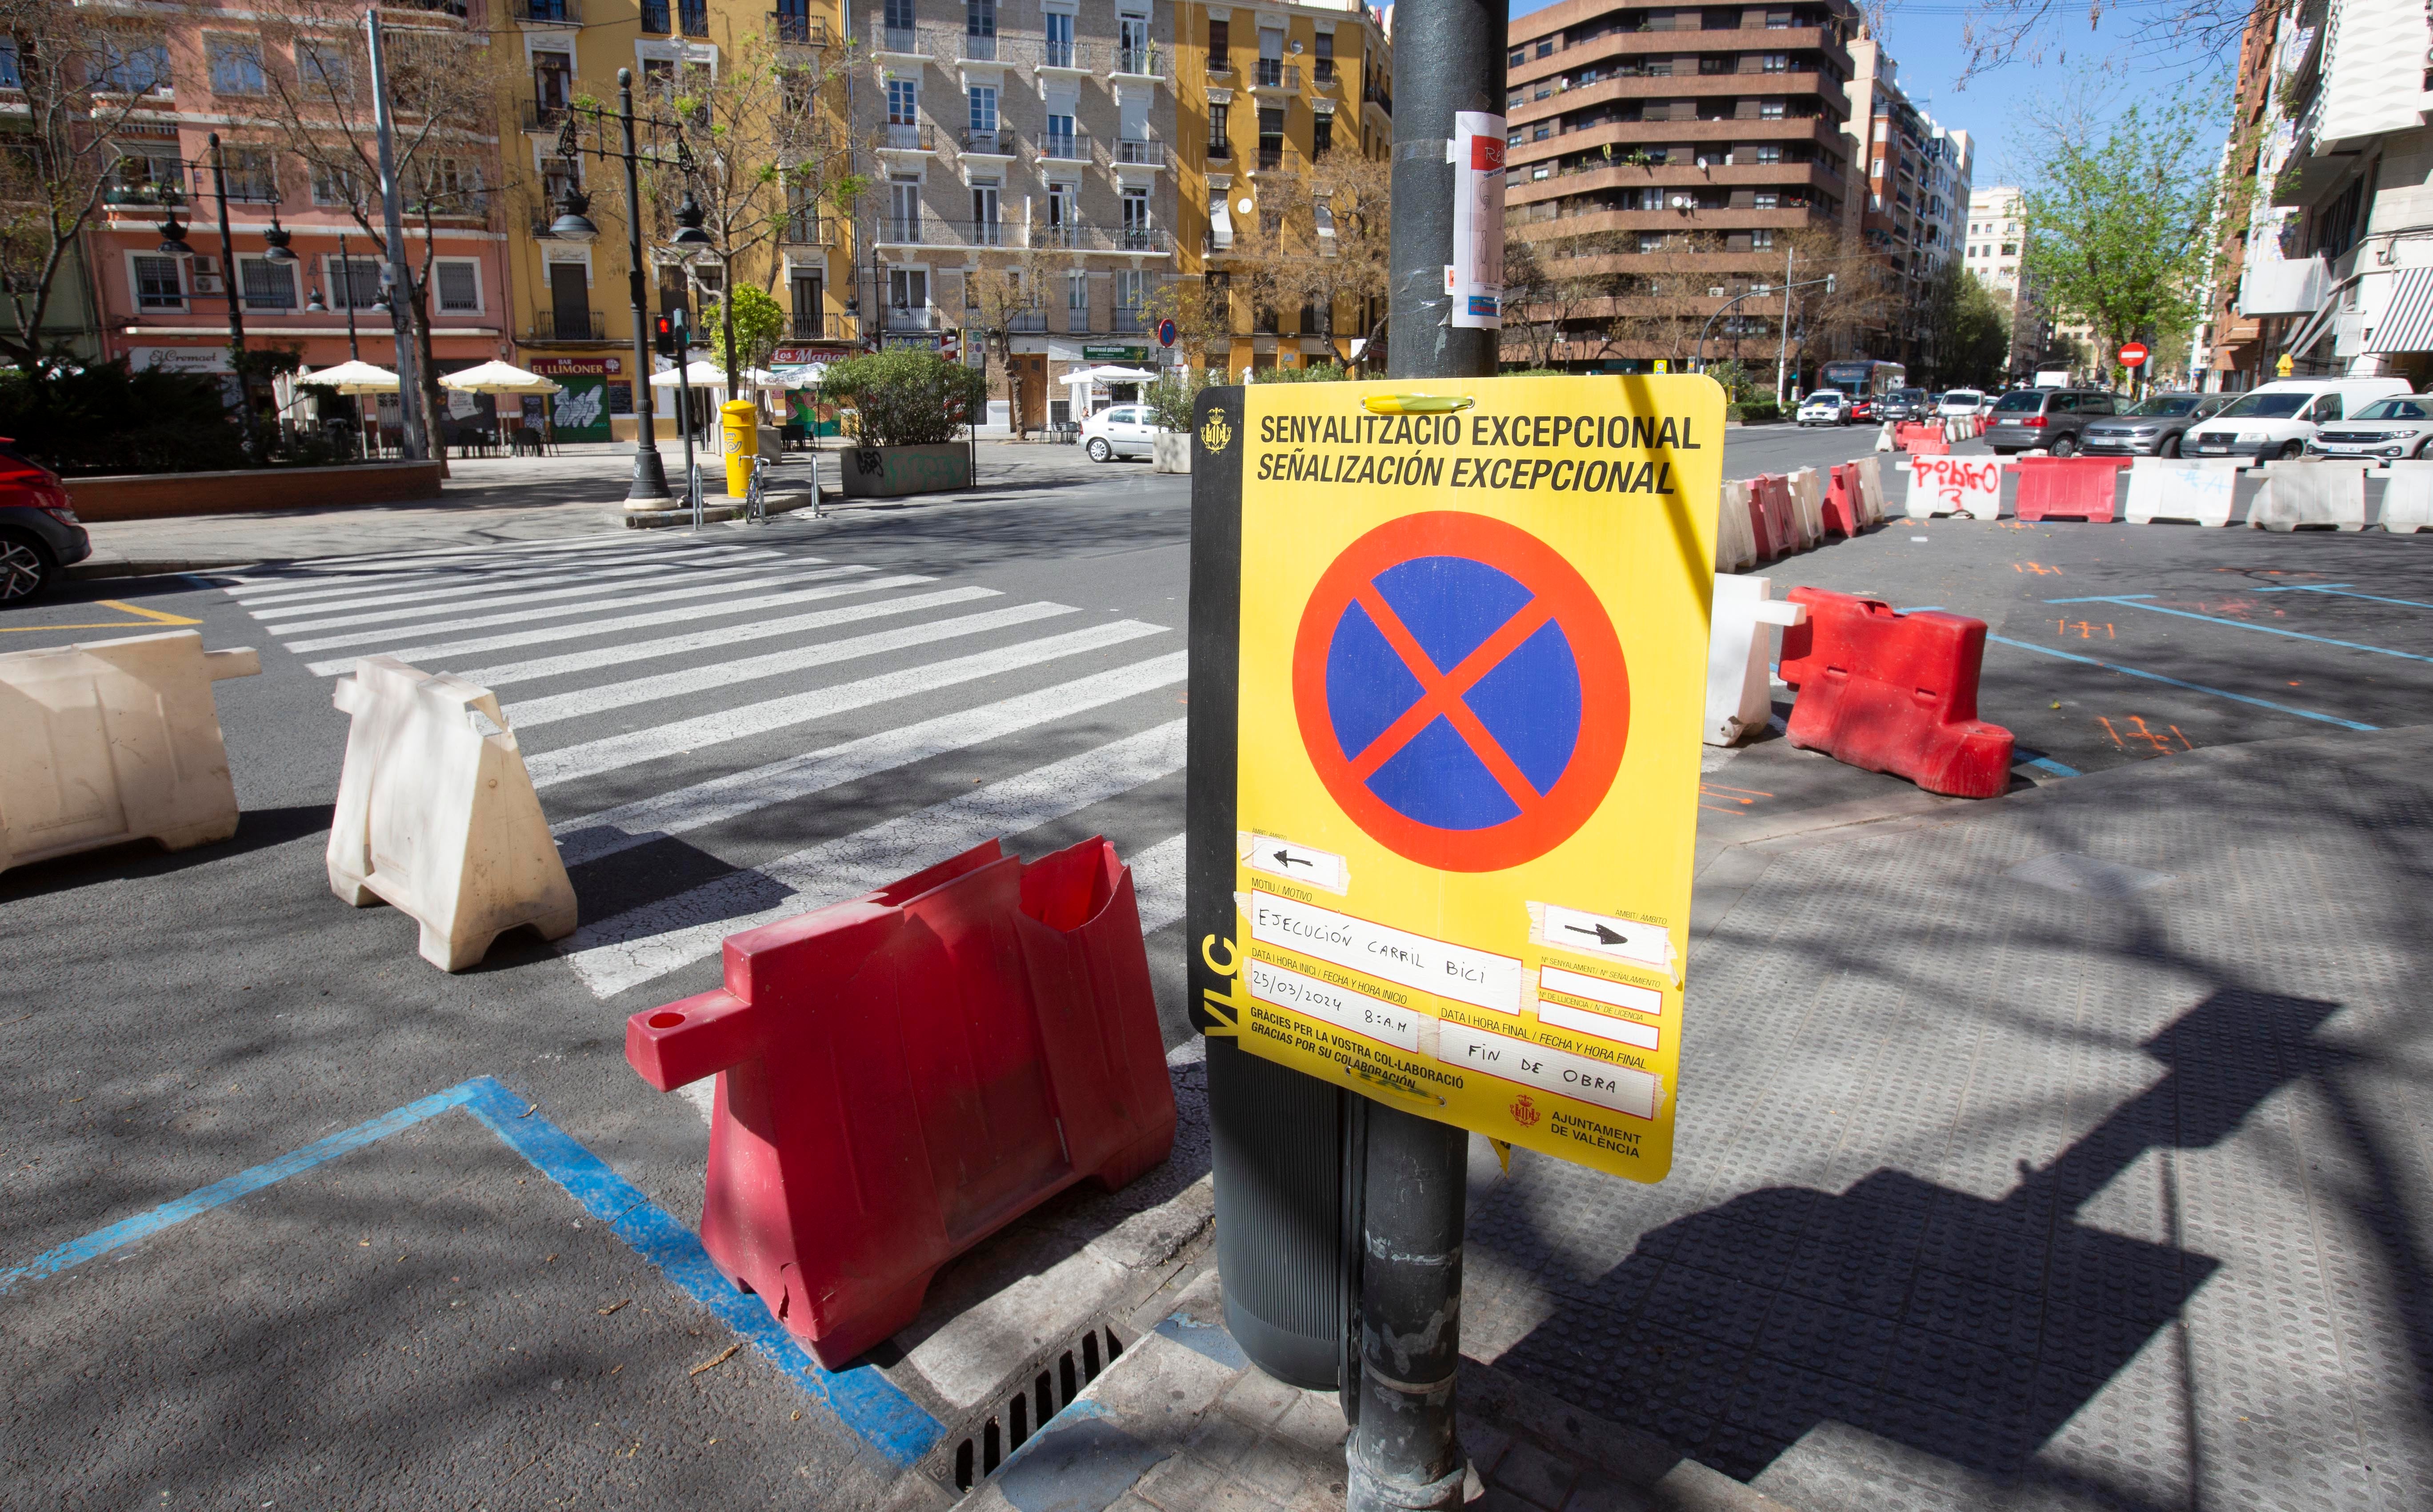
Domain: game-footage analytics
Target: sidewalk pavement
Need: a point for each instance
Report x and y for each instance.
(2068, 1150)
(578, 491)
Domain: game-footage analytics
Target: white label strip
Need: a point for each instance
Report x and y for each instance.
(1600, 1026)
(1474, 976)
(1620, 1088)
(1338, 1006)
(1299, 863)
(1622, 939)
(1598, 990)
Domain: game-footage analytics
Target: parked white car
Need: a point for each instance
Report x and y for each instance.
(1119, 430)
(2383, 430)
(1960, 403)
(2277, 419)
(1827, 406)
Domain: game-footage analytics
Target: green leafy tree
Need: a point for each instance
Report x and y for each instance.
(1170, 398)
(758, 323)
(2117, 229)
(1971, 341)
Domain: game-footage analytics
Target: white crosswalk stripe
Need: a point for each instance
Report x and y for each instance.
(678, 736)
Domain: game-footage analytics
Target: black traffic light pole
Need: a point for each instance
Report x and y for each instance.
(1413, 1172)
(650, 485)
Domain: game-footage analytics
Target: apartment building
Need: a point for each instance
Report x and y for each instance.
(774, 82)
(1671, 156)
(2329, 219)
(1917, 177)
(1265, 95)
(1034, 145)
(163, 285)
(1994, 247)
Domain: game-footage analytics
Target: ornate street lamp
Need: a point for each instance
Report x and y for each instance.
(573, 223)
(173, 237)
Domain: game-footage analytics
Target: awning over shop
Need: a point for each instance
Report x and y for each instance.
(2407, 323)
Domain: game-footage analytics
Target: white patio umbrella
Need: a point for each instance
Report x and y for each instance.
(354, 377)
(500, 378)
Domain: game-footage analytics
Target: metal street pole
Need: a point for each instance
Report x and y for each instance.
(1783, 346)
(650, 486)
(400, 279)
(229, 281)
(354, 354)
(1412, 1177)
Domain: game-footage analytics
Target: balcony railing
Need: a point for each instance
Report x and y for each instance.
(1140, 62)
(1272, 154)
(1056, 53)
(1220, 151)
(807, 327)
(979, 49)
(986, 234)
(655, 17)
(1145, 154)
(806, 228)
(1129, 319)
(1321, 70)
(569, 324)
(1140, 239)
(898, 40)
(539, 116)
(1275, 73)
(1220, 68)
(1062, 234)
(997, 144)
(1066, 147)
(902, 137)
(905, 317)
(1376, 94)
(547, 12)
(798, 28)
(693, 16)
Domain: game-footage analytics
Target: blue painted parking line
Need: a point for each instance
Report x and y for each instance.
(2023, 757)
(2341, 591)
(2194, 688)
(2130, 601)
(862, 1398)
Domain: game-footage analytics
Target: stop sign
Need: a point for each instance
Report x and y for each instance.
(2133, 355)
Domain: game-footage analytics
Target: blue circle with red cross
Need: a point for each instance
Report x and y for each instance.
(1460, 690)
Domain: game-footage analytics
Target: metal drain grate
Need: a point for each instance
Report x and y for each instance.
(1045, 1387)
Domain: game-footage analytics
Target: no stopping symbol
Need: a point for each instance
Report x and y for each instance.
(1460, 691)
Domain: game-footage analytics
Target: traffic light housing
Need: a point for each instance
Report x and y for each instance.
(663, 338)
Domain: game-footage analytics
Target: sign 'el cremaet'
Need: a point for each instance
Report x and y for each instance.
(1471, 669)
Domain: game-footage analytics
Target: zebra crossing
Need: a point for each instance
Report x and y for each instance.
(707, 704)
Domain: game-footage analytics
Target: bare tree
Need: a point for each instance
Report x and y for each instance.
(1548, 303)
(1330, 251)
(79, 77)
(314, 103)
(1202, 310)
(1002, 295)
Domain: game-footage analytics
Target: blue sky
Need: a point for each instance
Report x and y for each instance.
(1994, 108)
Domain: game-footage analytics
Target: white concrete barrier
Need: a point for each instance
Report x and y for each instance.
(1884, 438)
(1735, 538)
(436, 814)
(2310, 493)
(1808, 507)
(1955, 486)
(114, 740)
(2407, 498)
(2161, 488)
(1871, 490)
(1741, 655)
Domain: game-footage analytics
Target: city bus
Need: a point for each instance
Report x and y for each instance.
(1866, 380)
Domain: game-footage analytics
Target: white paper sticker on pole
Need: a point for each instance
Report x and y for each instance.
(1477, 277)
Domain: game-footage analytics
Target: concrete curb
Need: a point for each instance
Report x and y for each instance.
(90, 571)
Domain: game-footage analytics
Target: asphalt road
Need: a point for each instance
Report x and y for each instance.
(433, 1317)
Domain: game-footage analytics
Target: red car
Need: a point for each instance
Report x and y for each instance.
(1863, 407)
(39, 533)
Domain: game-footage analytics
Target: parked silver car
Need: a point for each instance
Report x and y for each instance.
(2153, 429)
(2382, 431)
(2049, 418)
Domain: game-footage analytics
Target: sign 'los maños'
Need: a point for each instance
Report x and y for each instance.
(1471, 667)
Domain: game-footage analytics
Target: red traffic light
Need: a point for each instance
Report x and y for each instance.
(667, 326)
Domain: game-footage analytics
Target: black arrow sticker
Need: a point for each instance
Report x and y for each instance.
(1288, 858)
(1604, 935)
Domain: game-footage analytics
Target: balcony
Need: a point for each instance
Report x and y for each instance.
(1321, 72)
(997, 144)
(806, 229)
(569, 324)
(903, 137)
(540, 116)
(1272, 154)
(693, 16)
(905, 317)
(805, 326)
(974, 48)
(1220, 151)
(1065, 235)
(1140, 154)
(796, 29)
(1066, 147)
(2282, 288)
(1130, 320)
(1057, 56)
(547, 12)
(1138, 62)
(1220, 70)
(1275, 74)
(1376, 95)
(1140, 239)
(896, 44)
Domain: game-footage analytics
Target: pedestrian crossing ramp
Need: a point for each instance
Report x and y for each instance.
(721, 734)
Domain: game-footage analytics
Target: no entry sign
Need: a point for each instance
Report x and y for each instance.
(2133, 355)
(1471, 669)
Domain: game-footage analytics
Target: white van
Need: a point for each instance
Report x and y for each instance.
(2279, 419)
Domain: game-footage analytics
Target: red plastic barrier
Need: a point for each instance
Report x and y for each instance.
(1924, 439)
(1770, 515)
(902, 1074)
(1894, 693)
(2080, 487)
(1841, 501)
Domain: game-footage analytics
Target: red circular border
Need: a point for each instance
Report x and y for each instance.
(1605, 690)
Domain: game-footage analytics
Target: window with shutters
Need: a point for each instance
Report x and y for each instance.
(269, 288)
(458, 280)
(159, 283)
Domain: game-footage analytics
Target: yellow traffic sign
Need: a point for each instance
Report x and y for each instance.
(1473, 666)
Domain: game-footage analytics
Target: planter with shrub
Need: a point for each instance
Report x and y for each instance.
(911, 407)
